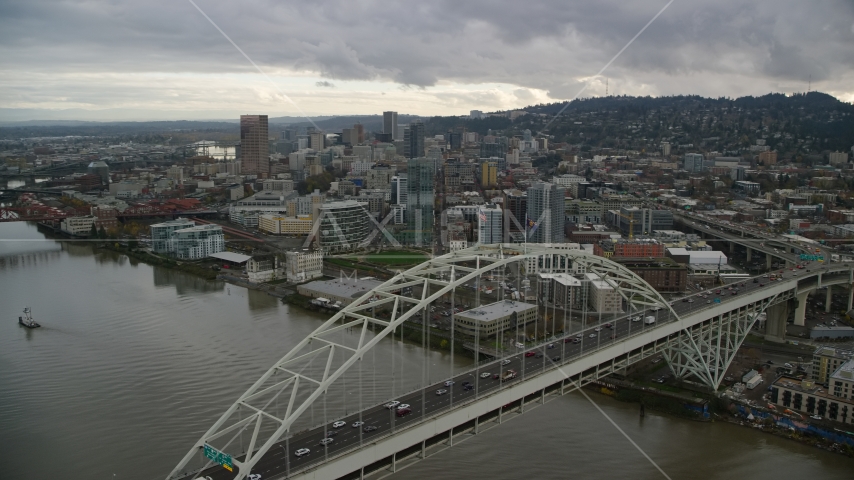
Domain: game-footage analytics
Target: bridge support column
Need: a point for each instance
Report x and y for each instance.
(423, 449)
(476, 425)
(749, 254)
(731, 247)
(850, 297)
(394, 463)
(828, 299)
(768, 260)
(775, 324)
(801, 311)
(543, 397)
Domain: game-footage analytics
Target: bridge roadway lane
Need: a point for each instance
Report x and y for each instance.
(277, 461)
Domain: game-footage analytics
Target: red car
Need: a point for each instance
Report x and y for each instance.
(529, 354)
(403, 411)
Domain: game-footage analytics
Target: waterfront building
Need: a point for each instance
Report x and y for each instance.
(827, 360)
(343, 226)
(263, 268)
(198, 242)
(303, 265)
(343, 290)
(161, 234)
(78, 226)
(489, 320)
(254, 145)
(809, 398)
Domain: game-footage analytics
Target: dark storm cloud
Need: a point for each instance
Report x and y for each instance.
(546, 45)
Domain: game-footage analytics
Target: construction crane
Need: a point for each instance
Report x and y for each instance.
(631, 224)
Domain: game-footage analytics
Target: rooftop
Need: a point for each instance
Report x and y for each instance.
(343, 288)
(231, 257)
(845, 372)
(486, 313)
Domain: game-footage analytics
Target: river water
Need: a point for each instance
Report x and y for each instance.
(134, 362)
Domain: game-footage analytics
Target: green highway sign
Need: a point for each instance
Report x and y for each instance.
(804, 256)
(221, 458)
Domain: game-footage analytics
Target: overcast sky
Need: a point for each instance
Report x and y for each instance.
(161, 59)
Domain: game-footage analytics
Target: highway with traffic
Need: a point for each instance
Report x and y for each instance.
(378, 420)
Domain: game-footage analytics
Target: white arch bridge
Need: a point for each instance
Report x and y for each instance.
(332, 386)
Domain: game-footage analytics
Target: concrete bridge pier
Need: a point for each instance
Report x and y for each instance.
(768, 260)
(775, 324)
(749, 254)
(828, 299)
(801, 310)
(731, 247)
(850, 297)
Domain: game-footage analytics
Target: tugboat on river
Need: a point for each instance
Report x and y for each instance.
(27, 319)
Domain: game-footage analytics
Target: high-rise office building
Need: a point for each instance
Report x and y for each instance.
(419, 201)
(390, 124)
(413, 140)
(515, 212)
(693, 162)
(545, 213)
(489, 224)
(318, 141)
(489, 174)
(254, 145)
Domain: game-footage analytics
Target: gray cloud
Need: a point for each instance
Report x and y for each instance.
(708, 47)
(325, 84)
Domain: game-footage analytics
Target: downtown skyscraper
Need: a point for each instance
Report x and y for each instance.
(390, 124)
(413, 140)
(254, 145)
(419, 201)
(545, 213)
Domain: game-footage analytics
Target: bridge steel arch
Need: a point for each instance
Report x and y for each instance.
(459, 267)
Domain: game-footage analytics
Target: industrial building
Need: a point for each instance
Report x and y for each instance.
(302, 266)
(343, 290)
(488, 320)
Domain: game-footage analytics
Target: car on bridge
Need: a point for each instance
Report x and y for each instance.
(358, 423)
(402, 412)
(392, 404)
(531, 354)
(441, 391)
(448, 383)
(485, 375)
(506, 361)
(370, 428)
(325, 441)
(302, 451)
(338, 424)
(402, 406)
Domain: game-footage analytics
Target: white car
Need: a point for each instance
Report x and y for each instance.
(251, 476)
(636, 319)
(448, 383)
(357, 423)
(392, 404)
(441, 391)
(302, 451)
(485, 375)
(592, 335)
(505, 362)
(325, 441)
(402, 406)
(338, 424)
(597, 329)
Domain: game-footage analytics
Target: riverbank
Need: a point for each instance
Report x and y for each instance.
(158, 261)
